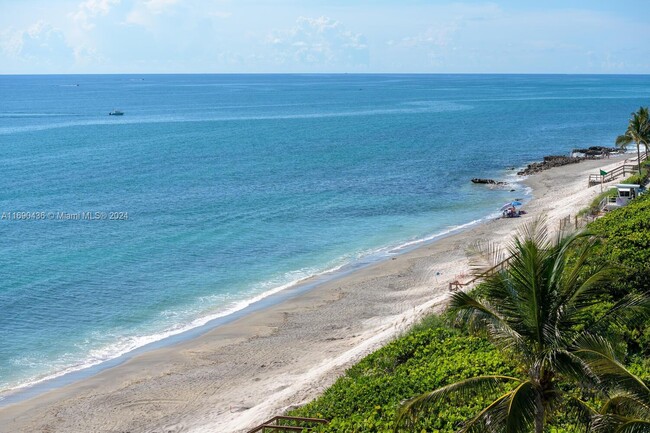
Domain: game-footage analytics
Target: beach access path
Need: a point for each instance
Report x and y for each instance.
(239, 374)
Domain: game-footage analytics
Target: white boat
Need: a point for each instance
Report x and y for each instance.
(116, 113)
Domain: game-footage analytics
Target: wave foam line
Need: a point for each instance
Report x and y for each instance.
(122, 348)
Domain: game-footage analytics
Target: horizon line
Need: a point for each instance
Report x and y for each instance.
(326, 73)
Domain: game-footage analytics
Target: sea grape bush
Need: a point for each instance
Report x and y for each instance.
(366, 398)
(626, 240)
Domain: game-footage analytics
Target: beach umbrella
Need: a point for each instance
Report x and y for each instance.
(511, 204)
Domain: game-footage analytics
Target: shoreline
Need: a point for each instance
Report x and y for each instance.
(269, 298)
(203, 325)
(191, 385)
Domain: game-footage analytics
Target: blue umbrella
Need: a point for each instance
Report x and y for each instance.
(511, 204)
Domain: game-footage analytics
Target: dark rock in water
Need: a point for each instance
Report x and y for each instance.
(549, 162)
(488, 181)
(598, 150)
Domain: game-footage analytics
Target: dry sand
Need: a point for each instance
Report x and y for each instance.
(239, 374)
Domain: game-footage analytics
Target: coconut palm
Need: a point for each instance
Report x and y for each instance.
(638, 131)
(537, 310)
(627, 409)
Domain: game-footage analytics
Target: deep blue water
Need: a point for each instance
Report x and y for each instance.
(232, 186)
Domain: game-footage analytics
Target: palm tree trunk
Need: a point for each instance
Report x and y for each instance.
(638, 155)
(539, 416)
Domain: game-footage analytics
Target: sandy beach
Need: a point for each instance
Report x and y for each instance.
(241, 373)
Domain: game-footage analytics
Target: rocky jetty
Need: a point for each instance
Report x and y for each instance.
(549, 162)
(597, 151)
(488, 181)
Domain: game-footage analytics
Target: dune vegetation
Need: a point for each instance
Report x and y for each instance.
(557, 342)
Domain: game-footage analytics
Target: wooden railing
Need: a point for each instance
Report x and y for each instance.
(565, 223)
(279, 424)
(457, 285)
(604, 202)
(622, 170)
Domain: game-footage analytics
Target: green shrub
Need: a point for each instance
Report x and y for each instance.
(626, 240)
(626, 235)
(366, 398)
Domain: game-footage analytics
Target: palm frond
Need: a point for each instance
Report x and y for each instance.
(427, 402)
(522, 408)
(580, 410)
(513, 412)
(490, 419)
(623, 141)
(485, 256)
(477, 314)
(571, 366)
(576, 286)
(631, 310)
(634, 426)
(626, 404)
(601, 357)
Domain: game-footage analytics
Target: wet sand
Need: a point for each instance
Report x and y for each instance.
(241, 373)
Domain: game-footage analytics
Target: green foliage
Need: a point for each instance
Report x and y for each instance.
(367, 397)
(432, 355)
(642, 177)
(626, 236)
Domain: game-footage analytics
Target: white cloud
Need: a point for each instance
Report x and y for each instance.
(40, 43)
(319, 41)
(90, 9)
(11, 42)
(146, 13)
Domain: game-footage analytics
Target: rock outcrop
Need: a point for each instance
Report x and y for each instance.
(549, 162)
(597, 150)
(488, 181)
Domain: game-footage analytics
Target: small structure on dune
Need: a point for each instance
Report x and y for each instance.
(624, 193)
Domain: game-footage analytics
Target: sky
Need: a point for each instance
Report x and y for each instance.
(319, 36)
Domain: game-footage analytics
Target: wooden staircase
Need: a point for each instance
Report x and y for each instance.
(280, 424)
(621, 170)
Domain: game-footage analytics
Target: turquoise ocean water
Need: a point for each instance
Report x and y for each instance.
(213, 190)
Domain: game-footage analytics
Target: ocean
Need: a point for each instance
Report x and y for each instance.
(213, 191)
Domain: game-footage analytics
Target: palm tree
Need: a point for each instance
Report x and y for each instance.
(627, 409)
(537, 310)
(638, 131)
